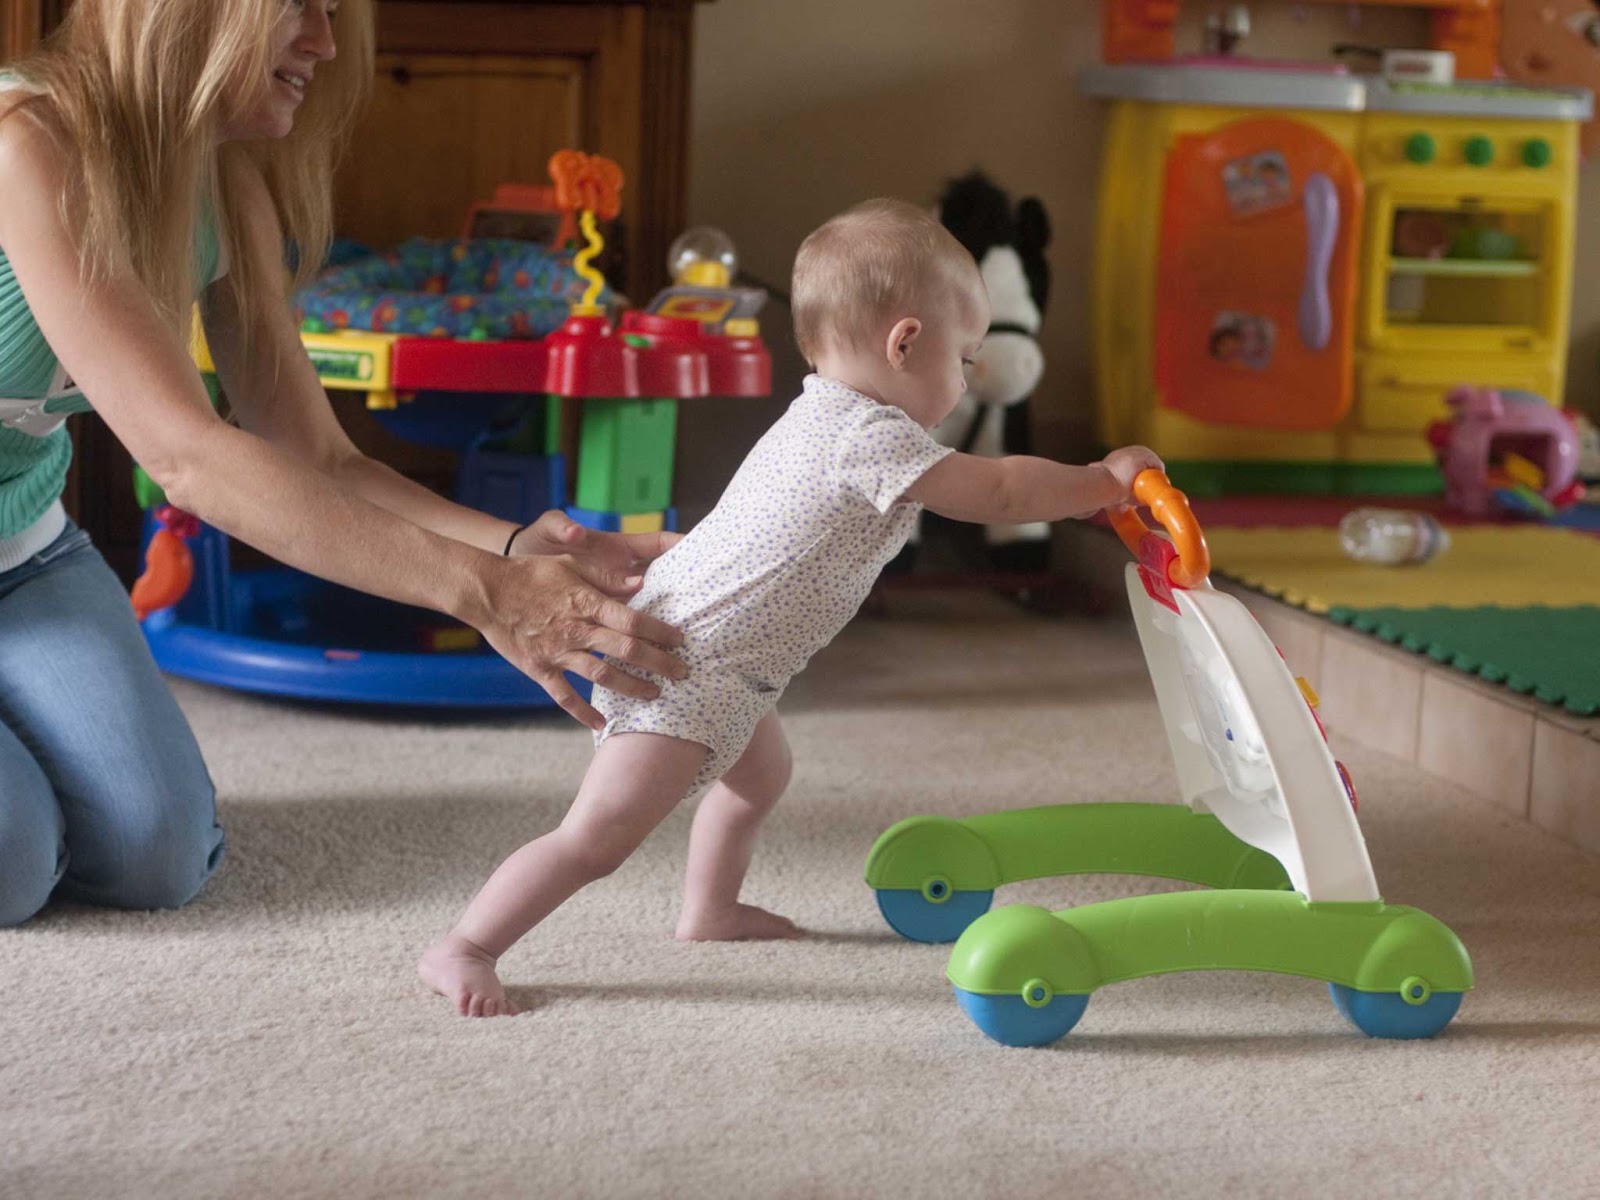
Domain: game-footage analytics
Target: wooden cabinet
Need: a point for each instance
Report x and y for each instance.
(469, 95)
(466, 95)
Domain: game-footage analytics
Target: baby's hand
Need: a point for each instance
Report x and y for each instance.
(1125, 464)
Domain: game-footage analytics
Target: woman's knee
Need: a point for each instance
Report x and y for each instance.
(160, 853)
(169, 870)
(35, 859)
(33, 853)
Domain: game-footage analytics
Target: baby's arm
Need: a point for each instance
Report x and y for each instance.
(1020, 488)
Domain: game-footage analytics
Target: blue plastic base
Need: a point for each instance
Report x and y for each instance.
(281, 632)
(284, 633)
(913, 916)
(343, 676)
(1012, 1021)
(610, 522)
(1388, 1015)
(510, 486)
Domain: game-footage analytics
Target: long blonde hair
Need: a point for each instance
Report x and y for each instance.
(140, 91)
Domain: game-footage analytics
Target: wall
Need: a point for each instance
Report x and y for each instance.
(801, 109)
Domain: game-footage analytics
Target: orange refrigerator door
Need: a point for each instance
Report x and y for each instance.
(1256, 276)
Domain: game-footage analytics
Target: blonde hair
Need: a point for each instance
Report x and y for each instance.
(139, 92)
(868, 265)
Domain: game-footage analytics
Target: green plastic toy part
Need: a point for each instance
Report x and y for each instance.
(146, 491)
(980, 853)
(625, 455)
(1370, 947)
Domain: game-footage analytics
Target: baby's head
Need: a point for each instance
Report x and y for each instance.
(887, 301)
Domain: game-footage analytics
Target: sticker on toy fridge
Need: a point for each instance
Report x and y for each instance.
(1242, 339)
(1257, 183)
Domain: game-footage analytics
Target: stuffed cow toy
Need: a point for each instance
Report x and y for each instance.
(992, 417)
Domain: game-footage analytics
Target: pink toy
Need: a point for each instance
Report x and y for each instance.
(1490, 424)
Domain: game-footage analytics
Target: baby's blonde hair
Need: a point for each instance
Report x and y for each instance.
(139, 92)
(870, 264)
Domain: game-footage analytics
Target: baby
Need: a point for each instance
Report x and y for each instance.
(889, 310)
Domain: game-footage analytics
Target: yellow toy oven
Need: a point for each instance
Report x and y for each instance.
(1294, 266)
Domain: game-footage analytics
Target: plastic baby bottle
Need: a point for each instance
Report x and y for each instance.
(1391, 536)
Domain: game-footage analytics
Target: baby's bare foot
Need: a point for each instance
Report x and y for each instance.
(742, 922)
(464, 975)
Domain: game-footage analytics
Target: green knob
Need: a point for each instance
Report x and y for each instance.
(1536, 152)
(1419, 148)
(1479, 151)
(146, 491)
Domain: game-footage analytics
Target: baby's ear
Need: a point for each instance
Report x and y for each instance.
(901, 335)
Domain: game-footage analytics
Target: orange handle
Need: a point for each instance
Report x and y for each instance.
(168, 571)
(1170, 507)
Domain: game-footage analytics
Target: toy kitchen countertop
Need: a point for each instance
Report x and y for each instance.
(1246, 83)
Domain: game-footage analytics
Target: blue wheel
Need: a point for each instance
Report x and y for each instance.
(942, 918)
(1012, 1021)
(1391, 1015)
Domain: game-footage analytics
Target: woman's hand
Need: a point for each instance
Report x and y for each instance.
(625, 554)
(545, 613)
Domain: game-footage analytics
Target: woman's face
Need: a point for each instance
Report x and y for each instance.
(302, 39)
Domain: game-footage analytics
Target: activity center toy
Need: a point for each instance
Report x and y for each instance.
(1296, 264)
(1268, 821)
(494, 349)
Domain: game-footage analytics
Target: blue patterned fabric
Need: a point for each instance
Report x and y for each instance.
(482, 287)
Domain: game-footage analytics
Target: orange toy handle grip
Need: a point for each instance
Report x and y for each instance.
(168, 571)
(1170, 507)
(168, 564)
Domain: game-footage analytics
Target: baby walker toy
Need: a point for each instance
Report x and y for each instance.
(1265, 805)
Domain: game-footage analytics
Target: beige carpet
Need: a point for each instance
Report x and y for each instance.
(270, 1041)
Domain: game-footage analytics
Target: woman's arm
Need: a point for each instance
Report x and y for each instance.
(544, 614)
(273, 388)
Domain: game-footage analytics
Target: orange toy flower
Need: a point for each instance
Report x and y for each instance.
(587, 181)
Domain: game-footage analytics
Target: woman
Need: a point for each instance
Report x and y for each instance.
(151, 152)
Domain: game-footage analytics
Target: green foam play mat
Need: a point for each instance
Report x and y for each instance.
(1552, 654)
(1515, 605)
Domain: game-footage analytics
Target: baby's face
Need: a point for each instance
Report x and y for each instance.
(935, 372)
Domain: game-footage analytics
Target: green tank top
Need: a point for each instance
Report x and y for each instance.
(35, 450)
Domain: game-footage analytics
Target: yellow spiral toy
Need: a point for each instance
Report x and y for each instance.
(588, 185)
(595, 243)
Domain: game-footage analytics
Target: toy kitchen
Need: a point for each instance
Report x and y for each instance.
(1295, 263)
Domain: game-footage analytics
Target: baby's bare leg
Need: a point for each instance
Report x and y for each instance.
(635, 780)
(723, 838)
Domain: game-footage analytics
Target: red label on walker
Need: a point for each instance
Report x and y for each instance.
(1155, 555)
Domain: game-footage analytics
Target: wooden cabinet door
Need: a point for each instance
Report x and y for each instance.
(444, 129)
(469, 95)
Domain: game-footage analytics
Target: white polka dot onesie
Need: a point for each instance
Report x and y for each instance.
(778, 567)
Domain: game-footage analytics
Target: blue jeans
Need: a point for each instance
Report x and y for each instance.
(104, 798)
